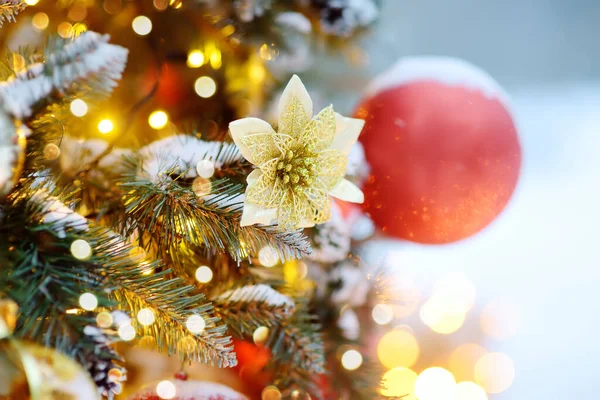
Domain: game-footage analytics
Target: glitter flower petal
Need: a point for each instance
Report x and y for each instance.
(300, 165)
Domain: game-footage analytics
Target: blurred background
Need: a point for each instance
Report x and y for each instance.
(538, 259)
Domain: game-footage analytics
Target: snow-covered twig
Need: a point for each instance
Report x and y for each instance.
(257, 293)
(55, 213)
(88, 58)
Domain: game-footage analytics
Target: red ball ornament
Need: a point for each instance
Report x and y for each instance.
(443, 150)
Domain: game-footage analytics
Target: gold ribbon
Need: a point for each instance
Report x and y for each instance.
(8, 321)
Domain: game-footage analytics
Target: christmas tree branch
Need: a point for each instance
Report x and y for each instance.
(246, 308)
(9, 9)
(86, 61)
(171, 213)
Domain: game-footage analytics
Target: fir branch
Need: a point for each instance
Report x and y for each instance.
(170, 214)
(9, 9)
(183, 152)
(172, 301)
(88, 60)
(246, 308)
(298, 342)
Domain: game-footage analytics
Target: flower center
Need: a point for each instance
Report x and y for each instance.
(296, 168)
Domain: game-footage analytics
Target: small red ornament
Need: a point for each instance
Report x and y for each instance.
(252, 360)
(443, 150)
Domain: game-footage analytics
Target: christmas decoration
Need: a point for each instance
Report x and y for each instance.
(180, 388)
(12, 153)
(299, 166)
(443, 149)
(30, 371)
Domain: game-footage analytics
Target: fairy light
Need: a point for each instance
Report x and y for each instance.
(105, 126)
(470, 391)
(145, 317)
(40, 21)
(260, 335)
(104, 319)
(268, 257)
(399, 382)
(88, 301)
(141, 25)
(73, 311)
(158, 119)
(31, 2)
(201, 186)
(80, 249)
(195, 59)
(398, 348)
(51, 152)
(270, 393)
(195, 324)
(204, 274)
(495, 372)
(205, 168)
(351, 360)
(435, 384)
(382, 314)
(126, 332)
(215, 59)
(205, 86)
(78, 108)
(166, 390)
(64, 29)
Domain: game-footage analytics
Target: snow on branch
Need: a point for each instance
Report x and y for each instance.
(257, 293)
(52, 211)
(184, 152)
(9, 9)
(88, 59)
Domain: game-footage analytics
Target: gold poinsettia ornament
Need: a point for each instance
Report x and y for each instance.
(298, 166)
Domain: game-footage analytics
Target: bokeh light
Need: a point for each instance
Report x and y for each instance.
(88, 301)
(126, 332)
(260, 335)
(205, 86)
(65, 30)
(382, 314)
(500, 319)
(31, 2)
(145, 317)
(105, 126)
(166, 390)
(270, 393)
(442, 317)
(195, 59)
(158, 119)
(104, 319)
(398, 349)
(81, 249)
(201, 186)
(435, 384)
(469, 391)
(195, 324)
(79, 108)
(141, 25)
(495, 372)
(40, 21)
(351, 360)
(205, 168)
(463, 359)
(204, 274)
(399, 382)
(51, 152)
(268, 256)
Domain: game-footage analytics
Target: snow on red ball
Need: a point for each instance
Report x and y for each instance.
(443, 150)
